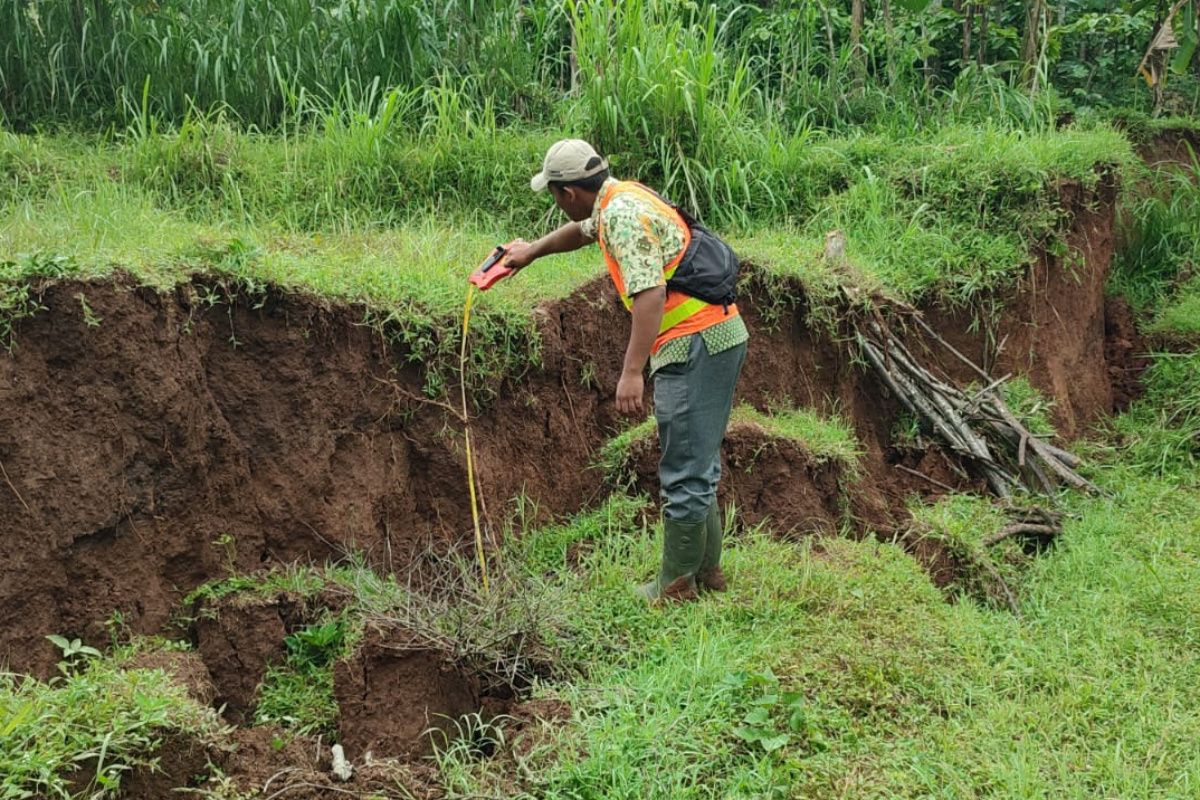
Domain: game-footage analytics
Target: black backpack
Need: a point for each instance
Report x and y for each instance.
(709, 267)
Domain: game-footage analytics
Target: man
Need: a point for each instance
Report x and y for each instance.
(695, 349)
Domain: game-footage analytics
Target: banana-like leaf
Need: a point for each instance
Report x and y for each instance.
(913, 5)
(1188, 35)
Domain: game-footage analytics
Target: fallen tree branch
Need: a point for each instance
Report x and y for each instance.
(924, 477)
(978, 428)
(1021, 529)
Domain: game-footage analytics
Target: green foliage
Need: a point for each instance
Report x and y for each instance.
(20, 282)
(670, 72)
(774, 720)
(613, 456)
(111, 62)
(1161, 236)
(74, 653)
(1028, 405)
(298, 694)
(826, 437)
(1180, 315)
(1161, 433)
(547, 549)
(84, 732)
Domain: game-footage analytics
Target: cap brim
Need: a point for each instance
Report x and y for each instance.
(539, 182)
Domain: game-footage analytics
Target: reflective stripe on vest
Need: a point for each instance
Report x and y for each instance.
(682, 313)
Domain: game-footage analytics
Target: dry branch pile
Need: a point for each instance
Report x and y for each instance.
(978, 427)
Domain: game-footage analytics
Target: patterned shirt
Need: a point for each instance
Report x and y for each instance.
(643, 241)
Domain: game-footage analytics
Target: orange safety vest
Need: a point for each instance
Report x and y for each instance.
(683, 314)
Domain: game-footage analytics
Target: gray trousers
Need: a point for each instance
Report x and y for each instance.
(692, 401)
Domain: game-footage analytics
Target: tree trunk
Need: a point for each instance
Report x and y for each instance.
(889, 28)
(928, 65)
(857, 17)
(983, 32)
(1031, 48)
(968, 25)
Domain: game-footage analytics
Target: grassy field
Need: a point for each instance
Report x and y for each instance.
(400, 224)
(835, 670)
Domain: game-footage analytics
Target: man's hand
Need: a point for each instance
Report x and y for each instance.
(520, 254)
(630, 390)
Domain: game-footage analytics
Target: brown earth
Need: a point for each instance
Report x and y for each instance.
(392, 692)
(1178, 147)
(238, 637)
(179, 438)
(272, 763)
(768, 479)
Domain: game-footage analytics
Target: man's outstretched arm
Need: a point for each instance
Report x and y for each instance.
(562, 240)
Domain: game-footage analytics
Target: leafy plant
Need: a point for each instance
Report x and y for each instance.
(74, 653)
(298, 694)
(774, 718)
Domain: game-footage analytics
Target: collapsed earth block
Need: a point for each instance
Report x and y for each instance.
(238, 637)
(394, 693)
(775, 479)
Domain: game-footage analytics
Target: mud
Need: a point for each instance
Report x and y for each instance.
(181, 438)
(393, 699)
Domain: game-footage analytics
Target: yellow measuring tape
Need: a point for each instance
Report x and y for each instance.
(462, 379)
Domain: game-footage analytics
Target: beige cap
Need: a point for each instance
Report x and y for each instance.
(568, 160)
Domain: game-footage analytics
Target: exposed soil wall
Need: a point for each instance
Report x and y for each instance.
(775, 480)
(177, 439)
(1170, 148)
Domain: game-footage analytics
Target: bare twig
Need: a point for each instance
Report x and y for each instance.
(979, 428)
(924, 477)
(4, 472)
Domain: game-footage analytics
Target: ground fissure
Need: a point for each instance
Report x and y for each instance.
(180, 438)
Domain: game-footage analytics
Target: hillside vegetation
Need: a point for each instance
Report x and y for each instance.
(374, 151)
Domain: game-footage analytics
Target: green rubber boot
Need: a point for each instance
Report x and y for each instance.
(683, 548)
(710, 577)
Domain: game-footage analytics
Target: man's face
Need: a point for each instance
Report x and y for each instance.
(575, 202)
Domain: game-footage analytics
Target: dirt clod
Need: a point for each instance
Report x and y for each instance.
(391, 693)
(185, 668)
(238, 637)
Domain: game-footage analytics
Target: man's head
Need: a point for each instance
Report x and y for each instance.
(574, 172)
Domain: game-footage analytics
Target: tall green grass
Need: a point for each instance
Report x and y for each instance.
(1160, 227)
(107, 62)
(360, 208)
